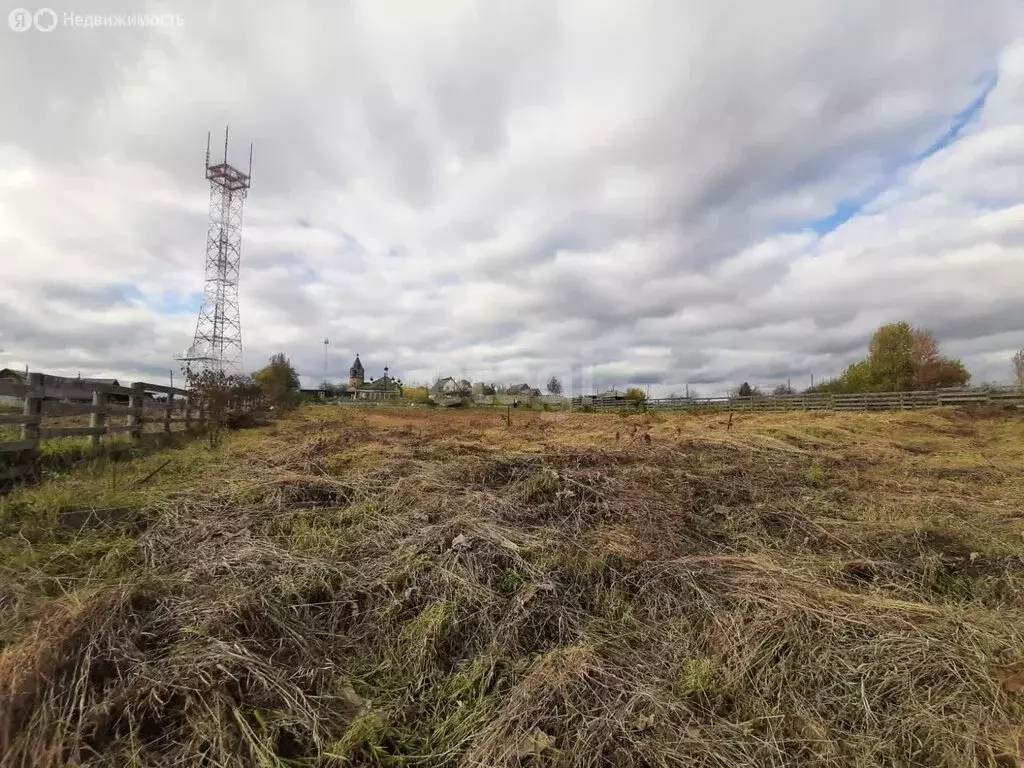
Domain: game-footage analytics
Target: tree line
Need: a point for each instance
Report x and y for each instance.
(900, 358)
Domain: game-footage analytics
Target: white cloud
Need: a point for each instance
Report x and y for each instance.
(506, 189)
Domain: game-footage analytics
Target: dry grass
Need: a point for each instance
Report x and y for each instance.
(435, 588)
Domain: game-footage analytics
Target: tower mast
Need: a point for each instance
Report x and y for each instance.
(217, 344)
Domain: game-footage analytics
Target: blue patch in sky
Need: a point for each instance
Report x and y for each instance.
(177, 303)
(961, 119)
(304, 223)
(848, 208)
(166, 303)
(844, 211)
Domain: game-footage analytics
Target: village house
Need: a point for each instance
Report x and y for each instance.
(522, 391)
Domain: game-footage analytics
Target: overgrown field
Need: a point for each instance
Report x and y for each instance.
(361, 587)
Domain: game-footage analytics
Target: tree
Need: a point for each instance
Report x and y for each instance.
(636, 395)
(1017, 361)
(891, 358)
(745, 390)
(783, 389)
(278, 382)
(338, 390)
(554, 386)
(900, 358)
(489, 389)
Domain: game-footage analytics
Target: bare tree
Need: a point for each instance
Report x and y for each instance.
(1018, 367)
(554, 386)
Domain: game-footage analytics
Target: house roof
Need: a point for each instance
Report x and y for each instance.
(10, 373)
(439, 384)
(379, 384)
(109, 382)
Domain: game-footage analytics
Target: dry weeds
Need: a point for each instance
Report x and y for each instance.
(420, 588)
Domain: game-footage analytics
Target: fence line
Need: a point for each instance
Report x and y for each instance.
(823, 401)
(55, 396)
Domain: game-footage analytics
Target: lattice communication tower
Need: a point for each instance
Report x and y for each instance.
(217, 344)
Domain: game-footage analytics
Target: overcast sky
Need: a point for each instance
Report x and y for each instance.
(661, 192)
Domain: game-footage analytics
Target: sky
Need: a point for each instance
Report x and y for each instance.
(662, 193)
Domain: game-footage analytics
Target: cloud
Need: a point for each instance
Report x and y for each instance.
(674, 192)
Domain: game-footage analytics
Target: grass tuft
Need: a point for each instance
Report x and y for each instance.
(414, 587)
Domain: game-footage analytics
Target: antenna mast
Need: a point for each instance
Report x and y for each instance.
(217, 344)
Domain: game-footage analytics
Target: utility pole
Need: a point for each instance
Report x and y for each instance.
(326, 344)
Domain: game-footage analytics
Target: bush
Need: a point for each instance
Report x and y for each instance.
(418, 395)
(636, 395)
(221, 398)
(279, 383)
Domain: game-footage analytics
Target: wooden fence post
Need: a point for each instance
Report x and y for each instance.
(188, 413)
(135, 403)
(33, 407)
(98, 417)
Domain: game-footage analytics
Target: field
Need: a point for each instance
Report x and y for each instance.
(374, 587)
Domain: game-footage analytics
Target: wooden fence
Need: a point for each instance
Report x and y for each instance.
(869, 401)
(52, 397)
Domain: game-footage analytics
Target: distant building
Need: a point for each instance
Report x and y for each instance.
(355, 374)
(522, 390)
(79, 383)
(445, 386)
(383, 388)
(14, 377)
(448, 391)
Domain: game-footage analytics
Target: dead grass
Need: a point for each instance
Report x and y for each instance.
(436, 588)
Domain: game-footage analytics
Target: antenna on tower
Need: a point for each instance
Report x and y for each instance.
(217, 344)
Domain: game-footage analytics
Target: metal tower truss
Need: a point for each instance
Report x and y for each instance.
(217, 344)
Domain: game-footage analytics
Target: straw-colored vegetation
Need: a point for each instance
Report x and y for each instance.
(416, 587)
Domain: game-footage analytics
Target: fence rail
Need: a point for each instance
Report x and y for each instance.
(867, 401)
(53, 397)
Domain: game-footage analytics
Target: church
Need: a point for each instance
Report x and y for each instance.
(383, 388)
